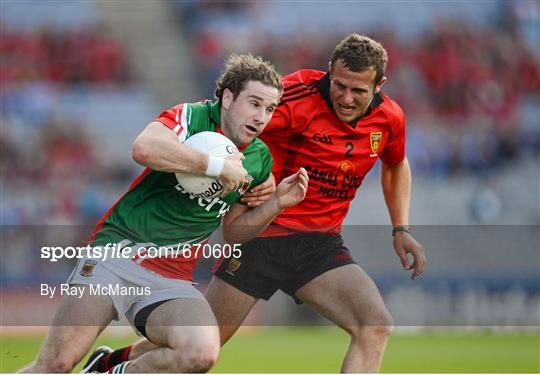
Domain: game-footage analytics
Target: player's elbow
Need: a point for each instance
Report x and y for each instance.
(141, 151)
(231, 235)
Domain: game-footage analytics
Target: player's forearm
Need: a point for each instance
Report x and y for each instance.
(246, 226)
(396, 184)
(168, 155)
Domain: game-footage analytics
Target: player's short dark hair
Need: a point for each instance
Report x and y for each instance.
(240, 69)
(359, 52)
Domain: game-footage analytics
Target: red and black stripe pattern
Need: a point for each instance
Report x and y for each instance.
(114, 359)
(298, 91)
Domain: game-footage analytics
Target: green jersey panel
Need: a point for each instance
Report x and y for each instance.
(157, 210)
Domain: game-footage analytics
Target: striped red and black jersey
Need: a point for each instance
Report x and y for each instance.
(305, 132)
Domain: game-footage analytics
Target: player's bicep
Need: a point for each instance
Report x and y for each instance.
(145, 141)
(159, 147)
(156, 130)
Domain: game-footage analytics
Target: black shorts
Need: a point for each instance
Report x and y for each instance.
(287, 263)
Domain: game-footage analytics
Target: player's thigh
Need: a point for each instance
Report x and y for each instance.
(77, 323)
(347, 296)
(183, 324)
(230, 306)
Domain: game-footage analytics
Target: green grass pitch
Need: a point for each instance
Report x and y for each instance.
(321, 350)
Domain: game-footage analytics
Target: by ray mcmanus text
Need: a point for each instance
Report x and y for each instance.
(79, 291)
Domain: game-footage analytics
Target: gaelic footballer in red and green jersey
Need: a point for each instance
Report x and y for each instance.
(156, 211)
(305, 132)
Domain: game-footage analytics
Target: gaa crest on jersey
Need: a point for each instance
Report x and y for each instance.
(375, 141)
(245, 186)
(346, 166)
(233, 265)
(88, 267)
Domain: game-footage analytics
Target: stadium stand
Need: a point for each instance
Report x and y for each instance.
(65, 82)
(74, 95)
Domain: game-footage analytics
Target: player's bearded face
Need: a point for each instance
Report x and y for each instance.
(245, 117)
(352, 92)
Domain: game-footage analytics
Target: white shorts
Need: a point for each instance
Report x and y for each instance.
(130, 286)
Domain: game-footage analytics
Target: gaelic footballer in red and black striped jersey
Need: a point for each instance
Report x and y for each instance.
(305, 132)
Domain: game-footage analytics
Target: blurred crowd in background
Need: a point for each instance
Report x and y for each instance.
(50, 160)
(470, 91)
(78, 56)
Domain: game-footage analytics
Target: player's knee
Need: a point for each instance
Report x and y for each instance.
(383, 331)
(57, 365)
(197, 359)
(201, 362)
(371, 334)
(379, 317)
(383, 324)
(379, 324)
(195, 353)
(386, 325)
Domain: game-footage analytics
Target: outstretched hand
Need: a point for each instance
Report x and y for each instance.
(292, 190)
(405, 244)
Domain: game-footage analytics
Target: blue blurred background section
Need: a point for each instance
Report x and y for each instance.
(81, 79)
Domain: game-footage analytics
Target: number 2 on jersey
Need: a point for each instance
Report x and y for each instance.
(350, 147)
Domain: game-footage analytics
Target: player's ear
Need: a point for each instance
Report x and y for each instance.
(380, 85)
(227, 98)
(330, 67)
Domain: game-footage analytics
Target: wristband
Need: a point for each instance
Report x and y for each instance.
(401, 228)
(215, 166)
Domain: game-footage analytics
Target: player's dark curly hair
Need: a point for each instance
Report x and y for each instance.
(240, 69)
(359, 52)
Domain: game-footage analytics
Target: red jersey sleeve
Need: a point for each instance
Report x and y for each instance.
(173, 119)
(394, 151)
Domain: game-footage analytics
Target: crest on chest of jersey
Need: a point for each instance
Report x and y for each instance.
(375, 141)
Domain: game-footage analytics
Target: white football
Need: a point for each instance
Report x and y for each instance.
(216, 145)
